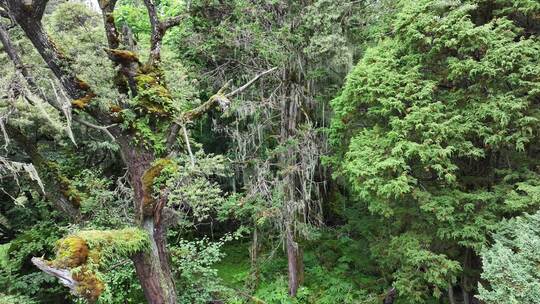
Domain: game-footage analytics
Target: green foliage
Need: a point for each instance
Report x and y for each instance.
(193, 186)
(423, 125)
(19, 281)
(19, 299)
(194, 263)
(69, 16)
(510, 265)
(433, 145)
(420, 272)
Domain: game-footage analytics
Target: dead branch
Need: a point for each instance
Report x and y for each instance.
(245, 86)
(219, 98)
(63, 275)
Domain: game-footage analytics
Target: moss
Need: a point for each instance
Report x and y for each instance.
(147, 180)
(153, 95)
(83, 252)
(90, 286)
(115, 108)
(67, 188)
(122, 56)
(81, 84)
(82, 102)
(71, 252)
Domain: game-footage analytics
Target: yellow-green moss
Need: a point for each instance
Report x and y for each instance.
(153, 96)
(71, 252)
(122, 56)
(115, 108)
(83, 252)
(148, 178)
(82, 102)
(90, 286)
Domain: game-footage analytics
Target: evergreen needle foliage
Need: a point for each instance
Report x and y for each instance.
(270, 151)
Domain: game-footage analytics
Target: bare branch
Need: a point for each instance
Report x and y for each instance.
(245, 86)
(93, 126)
(63, 275)
(219, 98)
(186, 138)
(170, 22)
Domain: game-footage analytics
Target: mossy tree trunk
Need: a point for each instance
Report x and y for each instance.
(58, 193)
(141, 159)
(152, 266)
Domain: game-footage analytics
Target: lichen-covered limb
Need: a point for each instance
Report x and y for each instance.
(60, 190)
(79, 256)
(220, 98)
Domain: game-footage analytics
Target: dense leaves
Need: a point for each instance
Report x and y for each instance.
(270, 151)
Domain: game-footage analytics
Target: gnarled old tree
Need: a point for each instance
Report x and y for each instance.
(143, 121)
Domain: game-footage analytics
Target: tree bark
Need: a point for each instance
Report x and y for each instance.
(294, 262)
(451, 296)
(152, 267)
(390, 296)
(288, 160)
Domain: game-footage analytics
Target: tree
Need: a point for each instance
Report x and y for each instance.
(135, 108)
(436, 131)
(510, 264)
(275, 133)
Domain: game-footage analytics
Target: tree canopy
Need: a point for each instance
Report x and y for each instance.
(272, 151)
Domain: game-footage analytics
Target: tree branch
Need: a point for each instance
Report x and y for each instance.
(170, 22)
(14, 56)
(107, 10)
(39, 7)
(159, 28)
(217, 99)
(78, 90)
(63, 275)
(101, 128)
(245, 86)
(56, 185)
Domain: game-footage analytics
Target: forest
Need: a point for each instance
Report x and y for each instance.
(270, 151)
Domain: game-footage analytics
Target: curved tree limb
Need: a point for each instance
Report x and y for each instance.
(28, 17)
